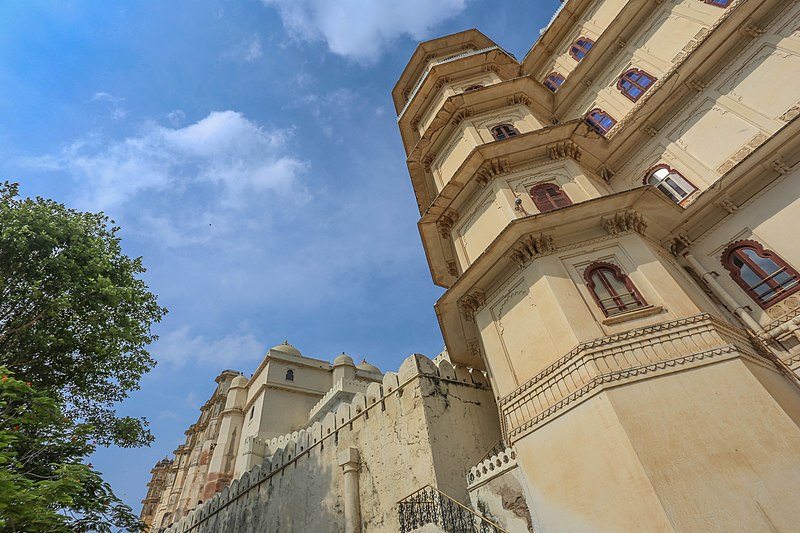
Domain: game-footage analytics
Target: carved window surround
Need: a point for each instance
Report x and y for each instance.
(609, 361)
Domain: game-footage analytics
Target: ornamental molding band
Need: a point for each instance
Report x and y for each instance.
(446, 222)
(532, 246)
(491, 169)
(563, 150)
(594, 366)
(472, 303)
(624, 222)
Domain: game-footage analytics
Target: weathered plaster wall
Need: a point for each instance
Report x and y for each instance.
(395, 426)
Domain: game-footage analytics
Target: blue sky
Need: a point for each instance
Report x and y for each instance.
(250, 153)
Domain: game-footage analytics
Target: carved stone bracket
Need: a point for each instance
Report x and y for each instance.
(415, 123)
(696, 84)
(779, 165)
(624, 221)
(491, 68)
(606, 173)
(427, 161)
(452, 269)
(751, 29)
(622, 43)
(444, 80)
(679, 242)
(471, 303)
(446, 222)
(532, 246)
(727, 204)
(461, 115)
(519, 98)
(563, 150)
(490, 169)
(648, 129)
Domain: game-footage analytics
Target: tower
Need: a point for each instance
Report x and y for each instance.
(611, 218)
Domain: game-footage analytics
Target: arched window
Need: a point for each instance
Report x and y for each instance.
(549, 196)
(764, 276)
(290, 375)
(599, 120)
(718, 3)
(634, 83)
(473, 88)
(504, 131)
(580, 48)
(670, 182)
(553, 81)
(611, 289)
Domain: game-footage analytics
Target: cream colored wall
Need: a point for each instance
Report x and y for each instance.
(592, 24)
(454, 149)
(741, 107)
(581, 466)
(451, 89)
(543, 312)
(769, 218)
(656, 49)
(486, 215)
(745, 478)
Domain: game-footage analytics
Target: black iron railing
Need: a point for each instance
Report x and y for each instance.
(429, 506)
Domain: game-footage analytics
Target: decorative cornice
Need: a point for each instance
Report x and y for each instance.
(624, 221)
(461, 115)
(444, 80)
(532, 246)
(564, 149)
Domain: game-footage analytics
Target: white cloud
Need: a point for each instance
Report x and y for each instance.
(224, 150)
(247, 50)
(180, 347)
(118, 112)
(362, 29)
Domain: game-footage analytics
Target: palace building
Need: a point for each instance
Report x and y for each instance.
(612, 219)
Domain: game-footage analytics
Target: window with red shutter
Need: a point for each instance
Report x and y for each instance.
(549, 196)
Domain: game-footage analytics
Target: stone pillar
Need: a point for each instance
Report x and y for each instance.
(722, 294)
(348, 460)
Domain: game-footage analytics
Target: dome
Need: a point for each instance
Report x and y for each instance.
(343, 359)
(239, 381)
(366, 367)
(286, 348)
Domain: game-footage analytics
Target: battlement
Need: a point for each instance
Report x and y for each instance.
(365, 408)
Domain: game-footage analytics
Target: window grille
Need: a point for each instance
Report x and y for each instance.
(504, 131)
(580, 48)
(634, 83)
(612, 290)
(763, 275)
(553, 81)
(600, 121)
(670, 182)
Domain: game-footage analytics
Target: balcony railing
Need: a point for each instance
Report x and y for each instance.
(430, 506)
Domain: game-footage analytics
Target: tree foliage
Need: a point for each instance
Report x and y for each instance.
(74, 317)
(45, 486)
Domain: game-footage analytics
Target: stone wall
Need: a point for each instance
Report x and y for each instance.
(394, 426)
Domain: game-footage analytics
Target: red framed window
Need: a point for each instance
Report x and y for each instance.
(553, 81)
(763, 275)
(504, 131)
(599, 120)
(634, 83)
(549, 196)
(670, 182)
(613, 292)
(473, 88)
(718, 3)
(580, 48)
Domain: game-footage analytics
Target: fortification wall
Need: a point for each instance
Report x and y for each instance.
(300, 486)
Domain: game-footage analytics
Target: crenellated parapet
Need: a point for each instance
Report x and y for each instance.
(367, 408)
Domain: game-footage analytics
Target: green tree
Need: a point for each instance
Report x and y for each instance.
(74, 317)
(45, 486)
